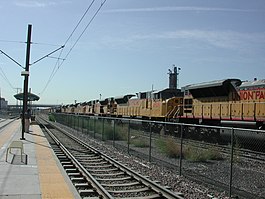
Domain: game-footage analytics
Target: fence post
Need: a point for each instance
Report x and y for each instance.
(94, 127)
(77, 122)
(231, 162)
(150, 142)
(113, 133)
(181, 149)
(82, 123)
(128, 139)
(102, 132)
(73, 122)
(88, 125)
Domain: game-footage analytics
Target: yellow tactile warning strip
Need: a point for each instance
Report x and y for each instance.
(7, 133)
(52, 182)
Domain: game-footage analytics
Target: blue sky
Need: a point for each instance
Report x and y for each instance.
(129, 46)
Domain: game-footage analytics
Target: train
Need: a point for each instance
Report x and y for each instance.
(226, 102)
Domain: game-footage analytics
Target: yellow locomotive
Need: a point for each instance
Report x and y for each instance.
(150, 105)
(228, 102)
(222, 102)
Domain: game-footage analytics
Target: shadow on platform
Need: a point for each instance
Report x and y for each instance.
(18, 160)
(34, 134)
(28, 142)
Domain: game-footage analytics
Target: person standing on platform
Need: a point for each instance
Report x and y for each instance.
(27, 120)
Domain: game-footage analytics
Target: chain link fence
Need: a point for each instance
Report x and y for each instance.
(231, 159)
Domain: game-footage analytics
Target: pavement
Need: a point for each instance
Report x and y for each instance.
(37, 173)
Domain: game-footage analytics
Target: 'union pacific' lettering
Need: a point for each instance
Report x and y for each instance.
(252, 95)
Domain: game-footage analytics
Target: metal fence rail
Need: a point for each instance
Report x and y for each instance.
(230, 158)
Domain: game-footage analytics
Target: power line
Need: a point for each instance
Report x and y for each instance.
(85, 29)
(88, 8)
(45, 44)
(60, 64)
(12, 41)
(5, 78)
(59, 58)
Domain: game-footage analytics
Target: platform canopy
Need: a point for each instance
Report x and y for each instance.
(31, 97)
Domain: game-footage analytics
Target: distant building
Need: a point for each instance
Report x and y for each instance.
(3, 103)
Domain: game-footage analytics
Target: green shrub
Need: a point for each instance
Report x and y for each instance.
(169, 147)
(120, 132)
(195, 155)
(172, 149)
(201, 155)
(51, 118)
(213, 154)
(141, 143)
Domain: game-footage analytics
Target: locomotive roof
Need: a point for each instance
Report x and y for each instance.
(167, 93)
(213, 88)
(215, 83)
(123, 99)
(255, 83)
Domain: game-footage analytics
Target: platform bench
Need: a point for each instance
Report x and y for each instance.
(15, 145)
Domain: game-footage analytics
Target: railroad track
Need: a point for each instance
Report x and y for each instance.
(6, 122)
(96, 175)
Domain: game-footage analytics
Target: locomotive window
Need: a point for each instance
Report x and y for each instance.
(188, 101)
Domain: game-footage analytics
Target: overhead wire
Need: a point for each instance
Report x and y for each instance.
(5, 77)
(58, 64)
(85, 29)
(12, 41)
(69, 37)
(81, 19)
(45, 44)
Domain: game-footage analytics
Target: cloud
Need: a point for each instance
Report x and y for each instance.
(179, 8)
(37, 3)
(222, 39)
(231, 40)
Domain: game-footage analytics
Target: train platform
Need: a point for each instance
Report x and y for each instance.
(29, 168)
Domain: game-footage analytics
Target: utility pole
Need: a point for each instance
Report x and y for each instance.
(26, 81)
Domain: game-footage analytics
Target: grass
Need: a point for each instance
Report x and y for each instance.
(51, 118)
(108, 132)
(172, 149)
(139, 142)
(169, 147)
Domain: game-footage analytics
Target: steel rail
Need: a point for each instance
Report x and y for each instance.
(6, 124)
(162, 191)
(102, 192)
